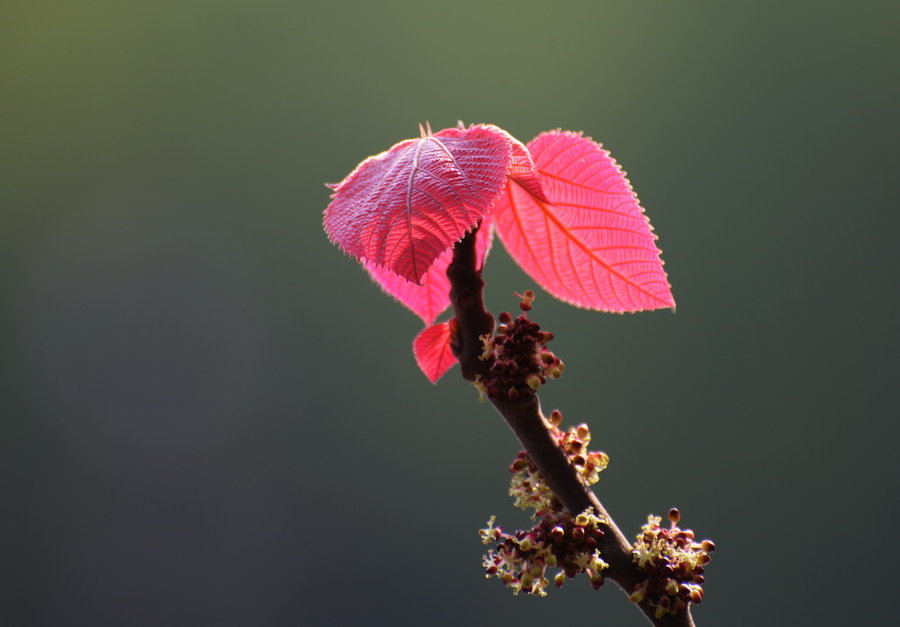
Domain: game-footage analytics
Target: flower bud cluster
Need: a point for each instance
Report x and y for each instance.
(520, 361)
(574, 442)
(673, 562)
(528, 487)
(560, 540)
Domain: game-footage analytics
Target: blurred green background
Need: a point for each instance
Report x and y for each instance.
(211, 417)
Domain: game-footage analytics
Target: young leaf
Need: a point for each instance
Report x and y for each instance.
(404, 207)
(432, 350)
(588, 243)
(432, 297)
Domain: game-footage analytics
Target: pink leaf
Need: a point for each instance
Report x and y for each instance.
(432, 350)
(590, 243)
(432, 297)
(404, 207)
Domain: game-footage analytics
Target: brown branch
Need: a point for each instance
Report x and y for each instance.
(531, 427)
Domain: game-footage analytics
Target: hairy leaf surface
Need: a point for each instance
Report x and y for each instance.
(587, 241)
(432, 350)
(403, 208)
(432, 297)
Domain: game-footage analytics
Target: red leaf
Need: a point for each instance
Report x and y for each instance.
(404, 207)
(432, 297)
(432, 350)
(590, 243)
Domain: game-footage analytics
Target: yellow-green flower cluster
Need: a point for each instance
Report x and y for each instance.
(560, 540)
(673, 562)
(574, 442)
(528, 488)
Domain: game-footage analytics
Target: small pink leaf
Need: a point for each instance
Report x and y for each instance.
(432, 350)
(404, 207)
(588, 243)
(432, 297)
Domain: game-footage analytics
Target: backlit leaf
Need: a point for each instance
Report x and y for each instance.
(404, 207)
(432, 297)
(588, 242)
(432, 350)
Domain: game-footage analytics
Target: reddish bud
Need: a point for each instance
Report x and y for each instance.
(527, 300)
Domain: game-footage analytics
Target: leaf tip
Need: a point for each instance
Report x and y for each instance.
(432, 351)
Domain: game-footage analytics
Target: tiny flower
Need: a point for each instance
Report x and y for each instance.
(490, 533)
(487, 346)
(482, 389)
(527, 300)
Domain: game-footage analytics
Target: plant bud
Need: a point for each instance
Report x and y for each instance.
(527, 300)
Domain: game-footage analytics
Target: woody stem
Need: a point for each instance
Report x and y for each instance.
(525, 418)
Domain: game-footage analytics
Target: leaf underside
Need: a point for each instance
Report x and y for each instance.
(403, 208)
(432, 350)
(588, 241)
(432, 297)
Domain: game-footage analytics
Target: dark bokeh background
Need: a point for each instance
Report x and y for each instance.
(210, 416)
